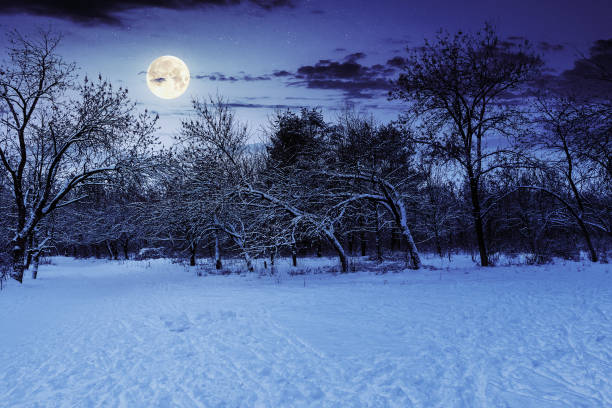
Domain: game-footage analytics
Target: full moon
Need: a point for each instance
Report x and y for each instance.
(168, 77)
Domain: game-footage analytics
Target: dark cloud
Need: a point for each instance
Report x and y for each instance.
(106, 11)
(398, 62)
(548, 47)
(340, 49)
(591, 73)
(256, 78)
(328, 69)
(158, 80)
(355, 56)
(513, 41)
(282, 73)
(361, 89)
(348, 75)
(597, 65)
(544, 46)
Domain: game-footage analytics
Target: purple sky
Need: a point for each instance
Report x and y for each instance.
(266, 54)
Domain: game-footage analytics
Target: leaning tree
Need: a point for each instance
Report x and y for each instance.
(59, 134)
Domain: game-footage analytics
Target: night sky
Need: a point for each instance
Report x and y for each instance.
(268, 54)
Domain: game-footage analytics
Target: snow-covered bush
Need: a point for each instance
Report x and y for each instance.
(151, 253)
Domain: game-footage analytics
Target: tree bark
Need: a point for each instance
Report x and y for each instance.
(413, 252)
(29, 254)
(363, 241)
(394, 239)
(218, 263)
(109, 249)
(398, 210)
(35, 265)
(478, 225)
(437, 238)
(192, 249)
(379, 254)
(339, 249)
(249, 262)
(18, 258)
(115, 250)
(587, 237)
(272, 266)
(126, 248)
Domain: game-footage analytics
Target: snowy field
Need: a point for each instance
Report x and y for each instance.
(153, 334)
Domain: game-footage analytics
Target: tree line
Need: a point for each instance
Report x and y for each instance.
(489, 155)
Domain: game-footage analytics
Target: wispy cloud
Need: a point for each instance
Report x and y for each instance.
(219, 76)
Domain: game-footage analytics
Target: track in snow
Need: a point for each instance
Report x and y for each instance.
(96, 333)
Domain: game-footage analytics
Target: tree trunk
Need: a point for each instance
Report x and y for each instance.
(438, 243)
(249, 262)
(338, 247)
(29, 254)
(115, 250)
(401, 222)
(478, 227)
(394, 239)
(587, 238)
(272, 266)
(35, 265)
(126, 248)
(379, 254)
(247, 258)
(18, 259)
(218, 263)
(294, 255)
(413, 252)
(110, 250)
(192, 249)
(363, 241)
(319, 251)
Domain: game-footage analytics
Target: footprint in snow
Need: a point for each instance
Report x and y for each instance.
(176, 324)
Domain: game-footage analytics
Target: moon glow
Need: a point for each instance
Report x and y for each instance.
(168, 77)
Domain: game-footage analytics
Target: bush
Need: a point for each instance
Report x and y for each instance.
(538, 259)
(150, 253)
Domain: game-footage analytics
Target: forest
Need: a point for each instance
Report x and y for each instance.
(491, 154)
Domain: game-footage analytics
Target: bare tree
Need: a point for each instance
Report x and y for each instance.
(57, 135)
(370, 171)
(458, 90)
(562, 153)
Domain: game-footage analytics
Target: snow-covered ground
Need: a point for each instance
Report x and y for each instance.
(153, 334)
